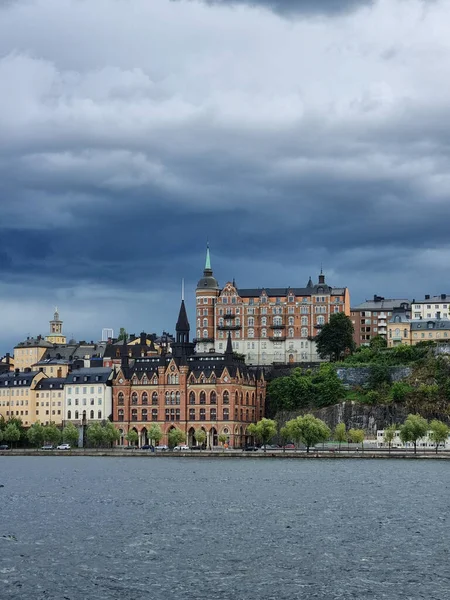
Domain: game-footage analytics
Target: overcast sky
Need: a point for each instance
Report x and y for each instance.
(286, 134)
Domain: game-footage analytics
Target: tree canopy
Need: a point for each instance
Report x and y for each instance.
(308, 429)
(414, 428)
(335, 338)
(263, 431)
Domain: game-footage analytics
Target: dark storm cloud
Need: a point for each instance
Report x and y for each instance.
(286, 142)
(299, 7)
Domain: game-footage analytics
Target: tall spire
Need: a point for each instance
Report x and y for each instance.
(229, 348)
(208, 259)
(182, 327)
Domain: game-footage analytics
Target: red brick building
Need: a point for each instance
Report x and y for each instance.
(215, 392)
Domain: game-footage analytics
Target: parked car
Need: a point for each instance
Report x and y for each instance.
(289, 446)
(63, 447)
(196, 448)
(163, 447)
(250, 448)
(181, 448)
(4, 447)
(270, 447)
(48, 447)
(147, 447)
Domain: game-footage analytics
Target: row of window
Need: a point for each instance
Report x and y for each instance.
(174, 398)
(84, 401)
(76, 414)
(173, 414)
(70, 390)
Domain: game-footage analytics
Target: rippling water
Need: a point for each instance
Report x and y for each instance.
(131, 528)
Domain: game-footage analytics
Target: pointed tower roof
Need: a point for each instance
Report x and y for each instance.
(229, 348)
(310, 283)
(182, 323)
(208, 281)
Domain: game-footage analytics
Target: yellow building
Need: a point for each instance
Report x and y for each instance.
(29, 352)
(49, 398)
(18, 395)
(411, 332)
(56, 335)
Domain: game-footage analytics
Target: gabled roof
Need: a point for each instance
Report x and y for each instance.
(93, 375)
(17, 379)
(48, 383)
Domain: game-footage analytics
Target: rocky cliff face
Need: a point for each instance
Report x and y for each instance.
(359, 376)
(359, 416)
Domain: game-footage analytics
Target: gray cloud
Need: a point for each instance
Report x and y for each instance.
(299, 7)
(129, 138)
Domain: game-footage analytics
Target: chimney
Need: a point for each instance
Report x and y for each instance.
(143, 338)
(16, 372)
(443, 296)
(427, 296)
(27, 370)
(7, 358)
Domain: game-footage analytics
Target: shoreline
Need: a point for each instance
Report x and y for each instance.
(299, 454)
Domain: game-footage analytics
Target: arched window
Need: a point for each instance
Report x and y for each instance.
(144, 398)
(144, 414)
(226, 397)
(226, 414)
(191, 398)
(91, 415)
(121, 414)
(69, 414)
(291, 321)
(155, 399)
(167, 397)
(304, 332)
(236, 398)
(199, 322)
(251, 333)
(177, 398)
(172, 398)
(213, 414)
(134, 398)
(202, 398)
(192, 414)
(304, 320)
(120, 399)
(277, 321)
(134, 414)
(99, 414)
(199, 333)
(264, 321)
(251, 321)
(154, 414)
(220, 322)
(237, 321)
(321, 320)
(205, 322)
(247, 398)
(405, 333)
(205, 333)
(76, 415)
(291, 332)
(264, 333)
(253, 398)
(213, 397)
(397, 332)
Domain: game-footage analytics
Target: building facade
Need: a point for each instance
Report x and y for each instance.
(56, 335)
(432, 307)
(216, 392)
(49, 400)
(371, 318)
(88, 395)
(410, 332)
(18, 395)
(266, 325)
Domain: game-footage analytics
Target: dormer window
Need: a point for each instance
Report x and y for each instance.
(291, 299)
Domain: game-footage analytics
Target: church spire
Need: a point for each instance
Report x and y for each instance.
(229, 348)
(182, 327)
(208, 259)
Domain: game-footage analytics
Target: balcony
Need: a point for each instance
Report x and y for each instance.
(229, 316)
(228, 327)
(204, 340)
(277, 338)
(278, 326)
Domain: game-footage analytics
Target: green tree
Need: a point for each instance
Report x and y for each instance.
(155, 434)
(439, 432)
(70, 434)
(95, 435)
(340, 434)
(36, 434)
(176, 437)
(357, 436)
(400, 391)
(290, 392)
(309, 430)
(389, 435)
(110, 434)
(329, 389)
(378, 375)
(52, 434)
(263, 431)
(200, 436)
(284, 435)
(11, 433)
(414, 428)
(123, 335)
(336, 337)
(222, 439)
(378, 343)
(132, 437)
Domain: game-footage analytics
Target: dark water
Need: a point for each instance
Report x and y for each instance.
(132, 528)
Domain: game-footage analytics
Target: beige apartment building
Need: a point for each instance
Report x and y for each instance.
(18, 395)
(266, 325)
(371, 318)
(410, 332)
